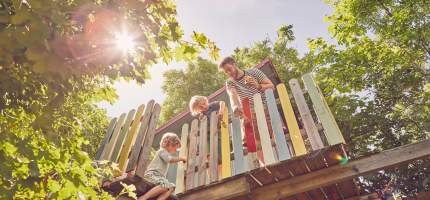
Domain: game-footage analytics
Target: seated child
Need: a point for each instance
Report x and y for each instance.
(157, 169)
(200, 106)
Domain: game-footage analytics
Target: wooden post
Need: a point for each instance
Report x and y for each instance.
(183, 152)
(239, 160)
(144, 160)
(121, 137)
(134, 154)
(109, 147)
(290, 118)
(203, 151)
(305, 113)
(106, 139)
(225, 146)
(192, 152)
(213, 151)
(281, 143)
(131, 137)
(331, 129)
(266, 143)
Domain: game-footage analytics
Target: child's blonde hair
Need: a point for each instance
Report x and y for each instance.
(169, 139)
(195, 102)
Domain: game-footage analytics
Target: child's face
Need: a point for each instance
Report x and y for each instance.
(173, 148)
(203, 106)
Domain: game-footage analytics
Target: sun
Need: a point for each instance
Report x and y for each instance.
(125, 42)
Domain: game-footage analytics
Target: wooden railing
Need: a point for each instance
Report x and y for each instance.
(203, 166)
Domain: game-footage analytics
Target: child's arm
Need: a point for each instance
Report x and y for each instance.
(221, 109)
(177, 159)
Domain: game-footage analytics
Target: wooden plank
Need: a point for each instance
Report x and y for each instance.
(253, 161)
(339, 173)
(239, 159)
(213, 147)
(183, 152)
(266, 142)
(226, 190)
(192, 153)
(305, 113)
(135, 151)
(106, 139)
(124, 131)
(144, 159)
(131, 137)
(109, 147)
(203, 152)
(317, 162)
(225, 146)
(290, 118)
(331, 129)
(281, 143)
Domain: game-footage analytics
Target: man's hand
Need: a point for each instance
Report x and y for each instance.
(252, 82)
(183, 159)
(238, 112)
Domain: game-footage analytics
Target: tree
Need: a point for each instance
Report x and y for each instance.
(199, 78)
(376, 79)
(58, 58)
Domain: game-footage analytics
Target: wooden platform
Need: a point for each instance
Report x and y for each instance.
(321, 174)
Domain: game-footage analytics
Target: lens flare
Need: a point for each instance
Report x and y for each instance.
(124, 42)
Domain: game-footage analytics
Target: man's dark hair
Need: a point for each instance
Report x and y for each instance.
(227, 60)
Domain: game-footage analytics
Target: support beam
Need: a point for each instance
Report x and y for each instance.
(355, 168)
(229, 189)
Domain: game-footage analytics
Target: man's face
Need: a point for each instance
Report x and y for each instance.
(230, 70)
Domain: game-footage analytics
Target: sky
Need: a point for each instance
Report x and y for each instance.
(230, 24)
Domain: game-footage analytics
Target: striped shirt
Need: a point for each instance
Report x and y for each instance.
(245, 90)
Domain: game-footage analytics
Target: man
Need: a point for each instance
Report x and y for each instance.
(244, 84)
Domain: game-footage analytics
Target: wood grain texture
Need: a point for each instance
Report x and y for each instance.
(213, 147)
(120, 140)
(305, 113)
(192, 153)
(266, 143)
(144, 160)
(106, 139)
(239, 164)
(225, 146)
(130, 139)
(331, 129)
(248, 127)
(183, 152)
(281, 143)
(290, 118)
(203, 151)
(135, 151)
(109, 147)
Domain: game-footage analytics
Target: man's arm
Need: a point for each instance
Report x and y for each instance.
(234, 100)
(266, 84)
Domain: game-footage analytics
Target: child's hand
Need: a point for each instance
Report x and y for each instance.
(183, 159)
(220, 115)
(106, 184)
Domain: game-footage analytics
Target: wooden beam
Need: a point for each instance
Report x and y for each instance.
(352, 169)
(224, 190)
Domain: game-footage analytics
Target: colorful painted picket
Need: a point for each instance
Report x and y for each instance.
(130, 139)
(331, 129)
(263, 131)
(105, 140)
(239, 164)
(225, 146)
(183, 152)
(248, 125)
(290, 118)
(281, 143)
(192, 153)
(203, 149)
(135, 151)
(305, 113)
(109, 147)
(213, 147)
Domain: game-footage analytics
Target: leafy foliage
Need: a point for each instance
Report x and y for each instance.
(58, 59)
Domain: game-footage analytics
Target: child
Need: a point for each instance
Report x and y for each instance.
(157, 169)
(200, 106)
